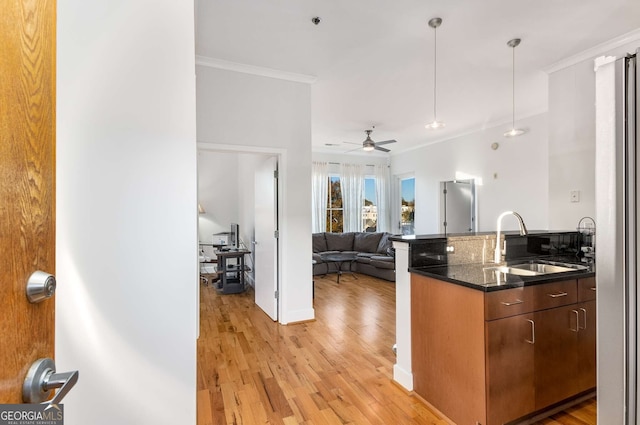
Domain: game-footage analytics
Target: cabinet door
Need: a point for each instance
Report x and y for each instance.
(510, 368)
(586, 347)
(587, 289)
(556, 354)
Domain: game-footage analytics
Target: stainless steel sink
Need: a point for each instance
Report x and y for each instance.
(511, 270)
(536, 268)
(546, 267)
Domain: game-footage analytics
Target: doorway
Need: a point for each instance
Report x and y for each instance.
(457, 206)
(230, 191)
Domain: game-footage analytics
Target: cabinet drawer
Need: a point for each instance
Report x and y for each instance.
(587, 289)
(555, 294)
(509, 302)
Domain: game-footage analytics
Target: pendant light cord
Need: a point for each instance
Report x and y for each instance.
(435, 72)
(435, 23)
(513, 88)
(514, 131)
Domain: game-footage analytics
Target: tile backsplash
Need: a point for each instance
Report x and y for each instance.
(479, 249)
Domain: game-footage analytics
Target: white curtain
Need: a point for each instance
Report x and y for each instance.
(352, 187)
(382, 197)
(319, 195)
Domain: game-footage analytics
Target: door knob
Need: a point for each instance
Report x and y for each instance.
(42, 378)
(40, 286)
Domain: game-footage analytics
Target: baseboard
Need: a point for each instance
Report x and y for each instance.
(403, 378)
(298, 316)
(298, 323)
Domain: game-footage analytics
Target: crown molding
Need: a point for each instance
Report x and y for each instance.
(593, 52)
(254, 70)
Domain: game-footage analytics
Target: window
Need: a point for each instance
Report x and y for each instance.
(407, 207)
(334, 206)
(369, 209)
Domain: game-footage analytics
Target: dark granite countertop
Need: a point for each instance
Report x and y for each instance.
(482, 277)
(416, 239)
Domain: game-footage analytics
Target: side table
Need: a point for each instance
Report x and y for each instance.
(231, 268)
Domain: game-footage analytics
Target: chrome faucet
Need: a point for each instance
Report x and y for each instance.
(497, 257)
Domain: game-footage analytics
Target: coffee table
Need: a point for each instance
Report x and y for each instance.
(339, 259)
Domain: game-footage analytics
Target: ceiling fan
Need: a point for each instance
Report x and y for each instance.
(368, 145)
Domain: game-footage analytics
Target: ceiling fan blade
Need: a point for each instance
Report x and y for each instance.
(386, 142)
(351, 143)
(378, 148)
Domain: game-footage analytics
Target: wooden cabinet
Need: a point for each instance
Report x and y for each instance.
(587, 335)
(538, 347)
(555, 352)
(510, 366)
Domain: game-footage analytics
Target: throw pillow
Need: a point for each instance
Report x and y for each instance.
(319, 242)
(385, 243)
(339, 241)
(366, 242)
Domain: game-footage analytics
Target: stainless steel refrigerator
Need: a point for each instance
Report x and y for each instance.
(617, 253)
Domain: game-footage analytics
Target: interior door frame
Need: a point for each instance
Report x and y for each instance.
(281, 159)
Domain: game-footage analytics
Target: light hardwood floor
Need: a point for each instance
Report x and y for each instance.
(334, 370)
(580, 414)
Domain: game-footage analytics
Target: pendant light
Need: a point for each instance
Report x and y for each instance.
(435, 124)
(514, 131)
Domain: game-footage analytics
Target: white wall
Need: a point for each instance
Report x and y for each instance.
(571, 144)
(126, 265)
(572, 140)
(269, 114)
(217, 192)
(514, 177)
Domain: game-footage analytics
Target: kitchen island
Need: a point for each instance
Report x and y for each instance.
(489, 347)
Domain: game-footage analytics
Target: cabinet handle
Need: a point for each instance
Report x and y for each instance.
(593, 288)
(507, 303)
(533, 332)
(584, 313)
(558, 295)
(577, 321)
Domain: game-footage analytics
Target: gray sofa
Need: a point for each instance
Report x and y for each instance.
(375, 254)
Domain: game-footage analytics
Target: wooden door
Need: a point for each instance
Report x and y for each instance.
(27, 185)
(510, 368)
(555, 354)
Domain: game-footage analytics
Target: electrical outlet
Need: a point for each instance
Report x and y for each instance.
(574, 196)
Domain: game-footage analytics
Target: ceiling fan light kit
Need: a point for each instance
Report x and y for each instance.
(514, 132)
(435, 124)
(369, 145)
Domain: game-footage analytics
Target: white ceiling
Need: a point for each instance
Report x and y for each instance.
(373, 59)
